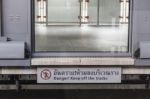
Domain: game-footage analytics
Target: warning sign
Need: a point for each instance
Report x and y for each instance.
(46, 74)
(79, 75)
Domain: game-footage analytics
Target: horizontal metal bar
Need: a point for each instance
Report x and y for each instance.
(19, 62)
(33, 71)
(13, 71)
(80, 54)
(8, 87)
(136, 70)
(82, 61)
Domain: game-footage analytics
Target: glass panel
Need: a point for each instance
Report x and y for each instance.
(93, 12)
(63, 12)
(103, 26)
(109, 12)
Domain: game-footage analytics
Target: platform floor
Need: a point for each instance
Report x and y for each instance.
(81, 38)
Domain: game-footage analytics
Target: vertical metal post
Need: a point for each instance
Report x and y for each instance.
(47, 12)
(33, 25)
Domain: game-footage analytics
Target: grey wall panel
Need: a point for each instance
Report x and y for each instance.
(17, 27)
(141, 5)
(3, 39)
(16, 20)
(141, 22)
(12, 50)
(140, 27)
(145, 49)
(0, 15)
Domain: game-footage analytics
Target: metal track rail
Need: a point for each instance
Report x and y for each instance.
(75, 86)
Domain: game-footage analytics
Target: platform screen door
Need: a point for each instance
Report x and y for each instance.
(82, 26)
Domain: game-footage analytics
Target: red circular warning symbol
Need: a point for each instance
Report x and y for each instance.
(46, 74)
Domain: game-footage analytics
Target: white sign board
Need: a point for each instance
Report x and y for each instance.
(79, 75)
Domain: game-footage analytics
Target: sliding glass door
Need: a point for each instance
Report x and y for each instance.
(82, 26)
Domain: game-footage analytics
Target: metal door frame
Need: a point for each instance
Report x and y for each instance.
(129, 53)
